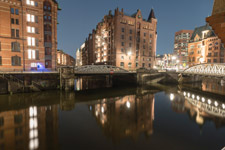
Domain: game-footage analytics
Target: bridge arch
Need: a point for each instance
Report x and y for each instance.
(99, 69)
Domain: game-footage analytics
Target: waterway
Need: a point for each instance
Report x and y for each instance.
(157, 117)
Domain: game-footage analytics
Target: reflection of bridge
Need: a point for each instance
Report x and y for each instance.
(210, 106)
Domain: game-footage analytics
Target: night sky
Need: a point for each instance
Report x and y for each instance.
(79, 17)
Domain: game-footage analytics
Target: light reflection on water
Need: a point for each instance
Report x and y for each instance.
(113, 118)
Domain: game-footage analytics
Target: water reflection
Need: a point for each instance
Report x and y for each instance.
(127, 116)
(30, 128)
(40, 120)
(200, 106)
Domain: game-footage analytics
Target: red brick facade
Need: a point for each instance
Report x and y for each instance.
(126, 41)
(28, 35)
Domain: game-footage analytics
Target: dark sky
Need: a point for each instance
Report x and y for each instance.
(79, 17)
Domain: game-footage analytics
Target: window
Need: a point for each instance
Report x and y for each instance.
(36, 19)
(129, 65)
(121, 64)
(149, 65)
(37, 54)
(0, 60)
(31, 54)
(17, 21)
(0, 46)
(17, 33)
(31, 41)
(121, 49)
(36, 4)
(15, 46)
(221, 60)
(150, 35)
(216, 54)
(37, 42)
(136, 64)
(16, 61)
(143, 46)
(17, 11)
(122, 43)
(12, 21)
(130, 45)
(30, 2)
(1, 121)
(13, 33)
(143, 64)
(30, 29)
(130, 31)
(12, 10)
(18, 131)
(130, 38)
(18, 119)
(144, 41)
(30, 18)
(215, 60)
(122, 36)
(209, 60)
(123, 30)
(122, 57)
(144, 34)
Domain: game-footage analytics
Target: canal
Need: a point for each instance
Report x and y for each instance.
(157, 117)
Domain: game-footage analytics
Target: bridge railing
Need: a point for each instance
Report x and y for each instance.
(215, 69)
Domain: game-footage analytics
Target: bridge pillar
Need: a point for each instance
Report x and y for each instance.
(69, 84)
(109, 81)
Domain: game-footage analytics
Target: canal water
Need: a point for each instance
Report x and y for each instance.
(156, 117)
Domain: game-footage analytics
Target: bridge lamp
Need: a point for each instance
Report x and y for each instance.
(172, 97)
(203, 99)
(198, 98)
(209, 101)
(193, 96)
(216, 103)
(185, 93)
(189, 94)
(128, 104)
(174, 57)
(223, 106)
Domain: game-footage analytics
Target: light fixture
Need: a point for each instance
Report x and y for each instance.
(128, 104)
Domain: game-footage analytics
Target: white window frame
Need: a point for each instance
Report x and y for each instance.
(30, 41)
(30, 18)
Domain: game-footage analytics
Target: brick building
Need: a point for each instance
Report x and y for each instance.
(181, 41)
(127, 41)
(28, 35)
(64, 59)
(205, 47)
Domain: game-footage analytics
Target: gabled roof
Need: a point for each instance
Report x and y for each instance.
(198, 31)
(151, 15)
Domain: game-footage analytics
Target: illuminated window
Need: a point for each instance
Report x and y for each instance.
(30, 41)
(30, 18)
(31, 54)
(30, 29)
(30, 2)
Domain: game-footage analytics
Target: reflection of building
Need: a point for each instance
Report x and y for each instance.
(127, 41)
(181, 46)
(64, 59)
(128, 116)
(78, 58)
(28, 35)
(213, 86)
(29, 129)
(205, 47)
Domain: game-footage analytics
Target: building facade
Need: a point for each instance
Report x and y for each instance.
(205, 47)
(78, 57)
(181, 41)
(127, 41)
(28, 35)
(64, 59)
